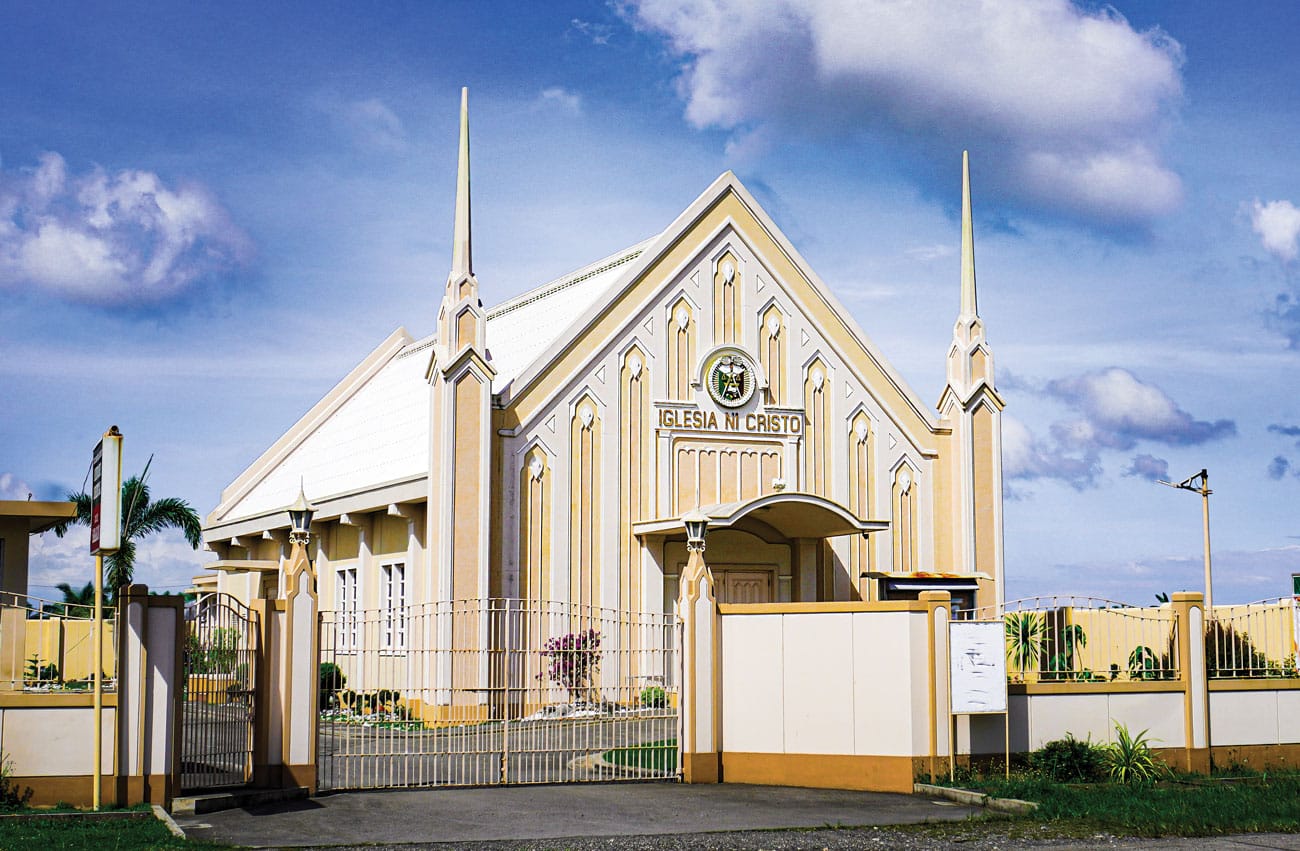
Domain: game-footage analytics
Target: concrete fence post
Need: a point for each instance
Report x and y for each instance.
(1189, 620)
(299, 672)
(697, 606)
(150, 695)
(938, 605)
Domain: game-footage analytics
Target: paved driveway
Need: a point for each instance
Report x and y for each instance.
(550, 812)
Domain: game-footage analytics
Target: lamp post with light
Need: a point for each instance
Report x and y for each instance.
(300, 524)
(1200, 483)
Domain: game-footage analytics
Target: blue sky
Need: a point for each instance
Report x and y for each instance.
(209, 214)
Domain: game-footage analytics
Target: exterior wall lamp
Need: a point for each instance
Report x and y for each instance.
(300, 519)
(696, 524)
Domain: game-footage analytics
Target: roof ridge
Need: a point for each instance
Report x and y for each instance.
(614, 260)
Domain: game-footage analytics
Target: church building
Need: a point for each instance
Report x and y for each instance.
(549, 448)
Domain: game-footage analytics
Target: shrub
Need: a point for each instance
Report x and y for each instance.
(1129, 758)
(332, 680)
(39, 673)
(11, 796)
(574, 658)
(654, 696)
(1069, 760)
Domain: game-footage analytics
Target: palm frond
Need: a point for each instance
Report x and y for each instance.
(168, 513)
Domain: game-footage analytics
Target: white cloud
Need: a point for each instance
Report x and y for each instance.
(104, 238)
(163, 561)
(561, 99)
(1075, 100)
(369, 122)
(1119, 410)
(1112, 409)
(597, 33)
(1278, 226)
(12, 487)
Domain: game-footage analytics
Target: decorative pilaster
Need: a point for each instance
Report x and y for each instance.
(299, 655)
(697, 606)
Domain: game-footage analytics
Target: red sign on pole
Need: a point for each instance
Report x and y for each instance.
(106, 494)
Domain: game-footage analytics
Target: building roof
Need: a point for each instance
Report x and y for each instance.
(39, 515)
(521, 329)
(372, 428)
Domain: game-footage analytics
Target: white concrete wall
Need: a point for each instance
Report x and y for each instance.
(825, 683)
(55, 741)
(1040, 718)
(1254, 717)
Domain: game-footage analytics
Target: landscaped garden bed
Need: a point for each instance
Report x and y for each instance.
(1123, 787)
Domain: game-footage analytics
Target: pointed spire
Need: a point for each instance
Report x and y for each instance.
(462, 261)
(969, 307)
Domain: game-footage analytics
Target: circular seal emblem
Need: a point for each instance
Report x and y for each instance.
(731, 380)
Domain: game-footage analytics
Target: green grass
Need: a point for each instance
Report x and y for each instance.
(93, 834)
(1186, 806)
(656, 756)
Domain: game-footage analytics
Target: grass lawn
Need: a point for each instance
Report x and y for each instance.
(656, 756)
(1184, 806)
(92, 834)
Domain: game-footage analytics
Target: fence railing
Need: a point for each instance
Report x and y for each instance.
(1087, 639)
(46, 645)
(1252, 641)
(495, 691)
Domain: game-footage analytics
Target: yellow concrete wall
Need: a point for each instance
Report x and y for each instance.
(69, 644)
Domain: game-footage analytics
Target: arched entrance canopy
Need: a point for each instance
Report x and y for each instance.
(791, 515)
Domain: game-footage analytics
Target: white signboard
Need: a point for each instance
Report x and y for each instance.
(977, 666)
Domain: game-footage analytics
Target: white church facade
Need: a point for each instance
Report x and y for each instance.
(550, 447)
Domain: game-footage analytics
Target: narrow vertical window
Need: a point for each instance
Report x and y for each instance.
(393, 587)
(345, 585)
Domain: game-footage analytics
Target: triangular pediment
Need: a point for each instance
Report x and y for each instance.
(725, 211)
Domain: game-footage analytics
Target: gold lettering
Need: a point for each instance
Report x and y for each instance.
(712, 422)
(731, 422)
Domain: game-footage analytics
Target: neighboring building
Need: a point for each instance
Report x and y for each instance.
(549, 447)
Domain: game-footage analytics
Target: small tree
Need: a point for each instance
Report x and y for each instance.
(574, 659)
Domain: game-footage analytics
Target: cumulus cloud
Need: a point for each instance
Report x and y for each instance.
(369, 122)
(1148, 467)
(163, 561)
(1075, 100)
(106, 238)
(1278, 226)
(1111, 409)
(1119, 410)
(12, 487)
(1026, 457)
(561, 99)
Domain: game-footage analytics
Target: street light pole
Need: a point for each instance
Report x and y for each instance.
(1200, 483)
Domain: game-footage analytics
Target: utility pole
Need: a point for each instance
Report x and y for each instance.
(1200, 483)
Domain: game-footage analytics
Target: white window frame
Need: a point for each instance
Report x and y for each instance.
(345, 585)
(392, 588)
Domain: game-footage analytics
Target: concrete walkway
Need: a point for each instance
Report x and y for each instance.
(551, 812)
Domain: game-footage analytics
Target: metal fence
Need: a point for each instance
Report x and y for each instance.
(1086, 639)
(222, 646)
(501, 691)
(49, 646)
(1252, 641)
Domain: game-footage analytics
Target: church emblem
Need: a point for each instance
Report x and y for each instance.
(730, 378)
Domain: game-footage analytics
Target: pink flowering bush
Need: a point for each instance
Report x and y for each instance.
(574, 659)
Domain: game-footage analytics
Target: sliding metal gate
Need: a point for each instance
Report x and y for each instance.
(221, 649)
(487, 692)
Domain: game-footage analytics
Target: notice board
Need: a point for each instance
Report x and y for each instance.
(977, 667)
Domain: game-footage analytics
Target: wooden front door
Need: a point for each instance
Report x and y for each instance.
(744, 586)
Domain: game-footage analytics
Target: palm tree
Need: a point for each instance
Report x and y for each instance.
(84, 597)
(141, 516)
